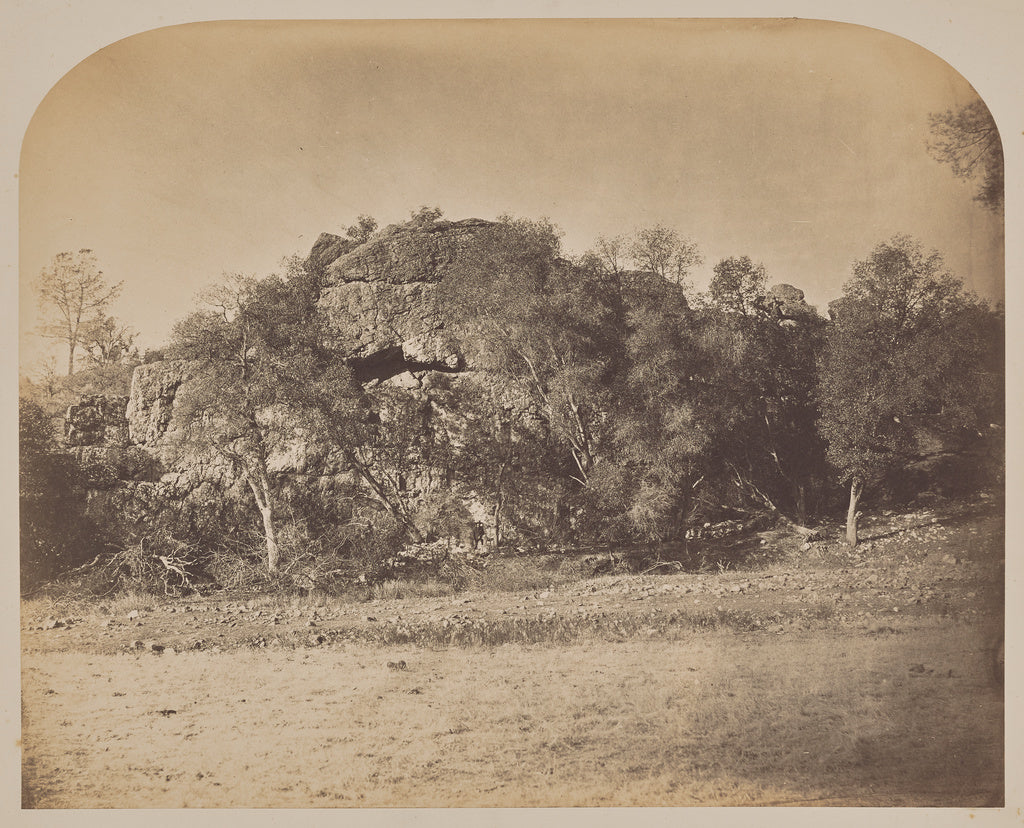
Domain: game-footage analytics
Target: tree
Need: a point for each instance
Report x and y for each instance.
(738, 286)
(760, 376)
(502, 453)
(362, 229)
(382, 438)
(250, 349)
(660, 455)
(425, 216)
(267, 382)
(663, 251)
(602, 354)
(967, 139)
(610, 253)
(654, 449)
(109, 342)
(55, 533)
(527, 315)
(894, 361)
(75, 295)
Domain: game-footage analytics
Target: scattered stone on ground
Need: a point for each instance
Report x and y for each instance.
(945, 562)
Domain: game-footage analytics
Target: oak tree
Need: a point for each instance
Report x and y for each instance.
(661, 250)
(760, 376)
(107, 341)
(250, 348)
(738, 286)
(525, 314)
(897, 357)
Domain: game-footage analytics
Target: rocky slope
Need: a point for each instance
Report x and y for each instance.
(379, 297)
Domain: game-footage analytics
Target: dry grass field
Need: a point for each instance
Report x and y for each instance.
(713, 719)
(813, 682)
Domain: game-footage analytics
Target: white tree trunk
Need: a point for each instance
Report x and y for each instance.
(856, 487)
(261, 492)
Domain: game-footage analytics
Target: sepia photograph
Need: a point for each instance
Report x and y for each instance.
(511, 413)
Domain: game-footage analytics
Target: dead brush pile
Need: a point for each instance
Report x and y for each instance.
(155, 564)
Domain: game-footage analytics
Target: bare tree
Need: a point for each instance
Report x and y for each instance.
(74, 295)
(611, 253)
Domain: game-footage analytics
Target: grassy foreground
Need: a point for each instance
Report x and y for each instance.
(714, 718)
(814, 675)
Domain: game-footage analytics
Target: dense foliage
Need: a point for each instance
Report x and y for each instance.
(607, 401)
(908, 355)
(55, 532)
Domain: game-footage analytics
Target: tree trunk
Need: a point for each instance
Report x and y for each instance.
(801, 504)
(71, 358)
(273, 553)
(499, 502)
(261, 492)
(856, 487)
(498, 523)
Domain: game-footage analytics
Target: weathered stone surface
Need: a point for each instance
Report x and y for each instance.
(150, 407)
(381, 296)
(326, 249)
(97, 420)
(788, 303)
(402, 254)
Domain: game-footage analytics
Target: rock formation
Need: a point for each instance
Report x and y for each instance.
(380, 297)
(380, 300)
(787, 304)
(97, 420)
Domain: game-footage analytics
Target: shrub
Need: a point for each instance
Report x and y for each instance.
(56, 534)
(371, 541)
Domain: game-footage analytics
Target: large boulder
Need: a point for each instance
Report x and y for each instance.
(381, 296)
(787, 303)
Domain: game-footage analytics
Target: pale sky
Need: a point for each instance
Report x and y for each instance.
(185, 152)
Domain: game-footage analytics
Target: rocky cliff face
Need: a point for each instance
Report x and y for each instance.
(381, 297)
(380, 300)
(97, 420)
(150, 408)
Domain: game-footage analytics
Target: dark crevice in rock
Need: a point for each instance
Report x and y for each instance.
(390, 362)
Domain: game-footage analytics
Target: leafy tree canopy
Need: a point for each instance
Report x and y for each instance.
(967, 140)
(899, 356)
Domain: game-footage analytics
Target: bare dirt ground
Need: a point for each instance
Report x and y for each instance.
(822, 678)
